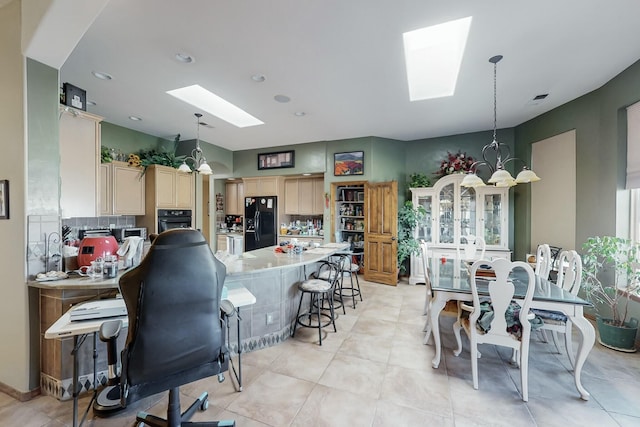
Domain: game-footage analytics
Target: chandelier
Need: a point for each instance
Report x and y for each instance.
(499, 176)
(197, 159)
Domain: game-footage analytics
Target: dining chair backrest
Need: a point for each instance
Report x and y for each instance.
(470, 246)
(570, 271)
(543, 261)
(424, 256)
(501, 293)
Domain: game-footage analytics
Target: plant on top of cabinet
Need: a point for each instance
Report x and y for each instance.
(419, 180)
(156, 156)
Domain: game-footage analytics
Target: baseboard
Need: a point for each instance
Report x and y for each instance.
(21, 396)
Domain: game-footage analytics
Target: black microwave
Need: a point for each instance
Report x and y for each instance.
(122, 233)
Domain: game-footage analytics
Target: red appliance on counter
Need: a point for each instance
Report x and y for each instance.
(94, 247)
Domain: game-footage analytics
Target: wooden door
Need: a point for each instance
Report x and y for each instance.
(381, 231)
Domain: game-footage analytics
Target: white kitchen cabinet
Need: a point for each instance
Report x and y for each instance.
(122, 189)
(222, 242)
(454, 211)
(79, 135)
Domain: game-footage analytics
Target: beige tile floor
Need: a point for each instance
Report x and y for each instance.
(375, 371)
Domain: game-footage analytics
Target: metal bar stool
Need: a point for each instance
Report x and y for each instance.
(319, 290)
(350, 269)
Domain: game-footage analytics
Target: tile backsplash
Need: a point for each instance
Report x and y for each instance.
(44, 248)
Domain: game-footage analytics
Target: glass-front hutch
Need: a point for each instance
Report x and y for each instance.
(454, 211)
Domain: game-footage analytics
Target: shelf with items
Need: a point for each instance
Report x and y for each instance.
(350, 214)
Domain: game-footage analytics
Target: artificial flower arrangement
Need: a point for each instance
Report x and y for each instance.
(455, 163)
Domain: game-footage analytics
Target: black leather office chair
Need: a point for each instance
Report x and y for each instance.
(175, 333)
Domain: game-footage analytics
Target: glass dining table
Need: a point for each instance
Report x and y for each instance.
(450, 281)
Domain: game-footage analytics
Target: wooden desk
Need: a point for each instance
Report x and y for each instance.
(79, 330)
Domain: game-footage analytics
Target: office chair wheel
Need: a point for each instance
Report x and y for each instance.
(204, 405)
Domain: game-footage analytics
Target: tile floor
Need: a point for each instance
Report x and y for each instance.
(375, 371)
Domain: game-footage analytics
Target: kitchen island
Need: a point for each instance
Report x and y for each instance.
(272, 277)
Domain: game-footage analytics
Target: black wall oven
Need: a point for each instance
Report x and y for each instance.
(173, 218)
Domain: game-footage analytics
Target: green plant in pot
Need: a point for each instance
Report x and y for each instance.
(611, 272)
(409, 217)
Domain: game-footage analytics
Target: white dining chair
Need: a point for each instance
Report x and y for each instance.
(569, 279)
(490, 326)
(543, 261)
(449, 309)
(470, 246)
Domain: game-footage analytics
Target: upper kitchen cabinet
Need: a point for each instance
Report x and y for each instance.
(264, 186)
(167, 187)
(304, 196)
(79, 162)
(235, 198)
(122, 189)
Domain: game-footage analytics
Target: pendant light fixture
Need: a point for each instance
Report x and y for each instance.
(500, 177)
(199, 162)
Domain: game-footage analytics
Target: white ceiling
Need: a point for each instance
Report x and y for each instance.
(342, 63)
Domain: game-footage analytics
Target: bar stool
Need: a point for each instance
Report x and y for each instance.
(348, 269)
(319, 290)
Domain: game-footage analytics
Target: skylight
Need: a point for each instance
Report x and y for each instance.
(433, 56)
(207, 101)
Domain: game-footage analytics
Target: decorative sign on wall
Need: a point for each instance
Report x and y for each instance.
(282, 159)
(351, 163)
(4, 199)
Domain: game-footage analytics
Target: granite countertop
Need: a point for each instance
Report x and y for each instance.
(75, 281)
(267, 258)
(247, 263)
(230, 233)
(304, 236)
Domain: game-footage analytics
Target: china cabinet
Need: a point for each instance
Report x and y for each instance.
(454, 211)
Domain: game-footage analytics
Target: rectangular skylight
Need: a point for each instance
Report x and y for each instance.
(207, 101)
(433, 56)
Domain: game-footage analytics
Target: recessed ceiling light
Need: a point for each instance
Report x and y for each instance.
(135, 119)
(282, 98)
(91, 103)
(299, 114)
(101, 75)
(258, 78)
(306, 174)
(185, 58)
(205, 100)
(433, 56)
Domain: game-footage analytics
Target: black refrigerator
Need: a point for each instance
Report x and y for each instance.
(260, 222)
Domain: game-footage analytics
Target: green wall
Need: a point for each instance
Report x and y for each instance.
(129, 140)
(43, 193)
(599, 119)
(220, 159)
(309, 158)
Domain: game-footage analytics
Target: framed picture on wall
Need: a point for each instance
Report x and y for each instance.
(282, 159)
(349, 163)
(4, 199)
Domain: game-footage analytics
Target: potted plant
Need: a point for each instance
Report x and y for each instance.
(419, 180)
(610, 272)
(409, 217)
